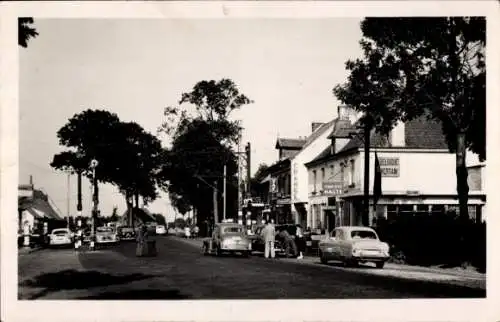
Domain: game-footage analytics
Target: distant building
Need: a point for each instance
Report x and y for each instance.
(418, 175)
(34, 208)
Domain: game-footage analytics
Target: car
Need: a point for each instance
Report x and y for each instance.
(105, 235)
(353, 245)
(126, 233)
(227, 238)
(258, 242)
(61, 237)
(161, 230)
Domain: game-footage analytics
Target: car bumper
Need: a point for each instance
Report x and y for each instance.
(60, 242)
(106, 241)
(235, 248)
(371, 258)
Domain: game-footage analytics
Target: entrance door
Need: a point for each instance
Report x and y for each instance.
(330, 220)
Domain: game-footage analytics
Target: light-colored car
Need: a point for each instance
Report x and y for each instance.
(126, 233)
(227, 238)
(105, 235)
(161, 230)
(61, 237)
(353, 245)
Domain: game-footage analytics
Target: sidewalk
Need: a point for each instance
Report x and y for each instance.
(449, 276)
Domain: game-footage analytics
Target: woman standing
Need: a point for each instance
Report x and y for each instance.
(300, 241)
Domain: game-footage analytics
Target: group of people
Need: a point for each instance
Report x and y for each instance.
(191, 233)
(294, 245)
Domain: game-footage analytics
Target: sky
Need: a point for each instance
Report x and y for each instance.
(137, 67)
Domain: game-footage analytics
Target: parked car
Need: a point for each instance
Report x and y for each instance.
(105, 235)
(161, 230)
(353, 245)
(171, 231)
(227, 238)
(61, 237)
(126, 233)
(258, 242)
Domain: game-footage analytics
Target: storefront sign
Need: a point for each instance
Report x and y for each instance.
(389, 167)
(285, 201)
(332, 188)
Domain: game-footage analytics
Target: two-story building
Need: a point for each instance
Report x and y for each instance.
(418, 175)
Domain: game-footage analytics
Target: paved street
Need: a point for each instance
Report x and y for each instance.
(180, 271)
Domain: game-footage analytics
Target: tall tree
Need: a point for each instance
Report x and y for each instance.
(202, 135)
(424, 66)
(25, 31)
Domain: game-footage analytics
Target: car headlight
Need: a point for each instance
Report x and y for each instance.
(355, 250)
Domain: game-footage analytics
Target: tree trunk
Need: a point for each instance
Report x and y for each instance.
(462, 173)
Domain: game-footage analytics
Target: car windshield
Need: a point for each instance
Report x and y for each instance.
(60, 232)
(363, 234)
(105, 230)
(229, 230)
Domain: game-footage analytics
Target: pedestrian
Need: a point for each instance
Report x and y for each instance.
(268, 233)
(196, 231)
(187, 232)
(289, 245)
(300, 241)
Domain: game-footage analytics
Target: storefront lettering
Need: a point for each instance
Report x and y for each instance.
(389, 167)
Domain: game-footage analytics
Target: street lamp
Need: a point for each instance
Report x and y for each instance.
(93, 165)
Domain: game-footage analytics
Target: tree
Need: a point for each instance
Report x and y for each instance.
(128, 156)
(424, 66)
(258, 189)
(160, 219)
(202, 135)
(25, 32)
(114, 215)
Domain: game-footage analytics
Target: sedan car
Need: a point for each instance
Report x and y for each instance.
(353, 245)
(105, 235)
(227, 238)
(258, 244)
(161, 230)
(61, 237)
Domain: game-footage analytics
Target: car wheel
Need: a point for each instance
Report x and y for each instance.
(217, 251)
(246, 254)
(322, 258)
(380, 264)
(204, 249)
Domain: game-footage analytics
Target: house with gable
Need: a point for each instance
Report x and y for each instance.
(417, 175)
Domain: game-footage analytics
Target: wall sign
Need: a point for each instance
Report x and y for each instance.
(332, 188)
(389, 167)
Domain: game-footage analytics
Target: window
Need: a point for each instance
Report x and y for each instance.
(314, 181)
(233, 229)
(322, 174)
(351, 179)
(363, 234)
(332, 170)
(342, 173)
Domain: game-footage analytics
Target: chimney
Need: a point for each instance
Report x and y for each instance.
(31, 180)
(347, 113)
(397, 135)
(316, 125)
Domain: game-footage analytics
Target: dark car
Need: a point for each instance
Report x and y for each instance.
(258, 241)
(126, 233)
(292, 231)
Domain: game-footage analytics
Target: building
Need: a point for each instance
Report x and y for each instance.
(418, 175)
(36, 208)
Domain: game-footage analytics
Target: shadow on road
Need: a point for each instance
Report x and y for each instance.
(72, 279)
(146, 294)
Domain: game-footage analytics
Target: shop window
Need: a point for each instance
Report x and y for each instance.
(422, 210)
(392, 212)
(406, 210)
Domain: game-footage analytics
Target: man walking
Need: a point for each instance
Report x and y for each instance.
(268, 233)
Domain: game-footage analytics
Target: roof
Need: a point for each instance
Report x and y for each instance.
(420, 133)
(350, 228)
(278, 166)
(38, 206)
(319, 131)
(342, 129)
(288, 143)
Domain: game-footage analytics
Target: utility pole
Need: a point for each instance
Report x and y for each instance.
(216, 210)
(224, 193)
(248, 152)
(93, 165)
(67, 198)
(240, 213)
(366, 185)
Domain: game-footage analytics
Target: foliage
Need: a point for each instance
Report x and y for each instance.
(160, 219)
(201, 144)
(114, 215)
(179, 223)
(442, 243)
(258, 189)
(128, 157)
(424, 66)
(25, 32)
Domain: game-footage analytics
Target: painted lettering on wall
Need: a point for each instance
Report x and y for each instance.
(389, 167)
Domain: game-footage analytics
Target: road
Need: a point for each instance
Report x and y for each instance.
(180, 271)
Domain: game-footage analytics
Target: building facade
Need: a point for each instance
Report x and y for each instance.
(417, 170)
